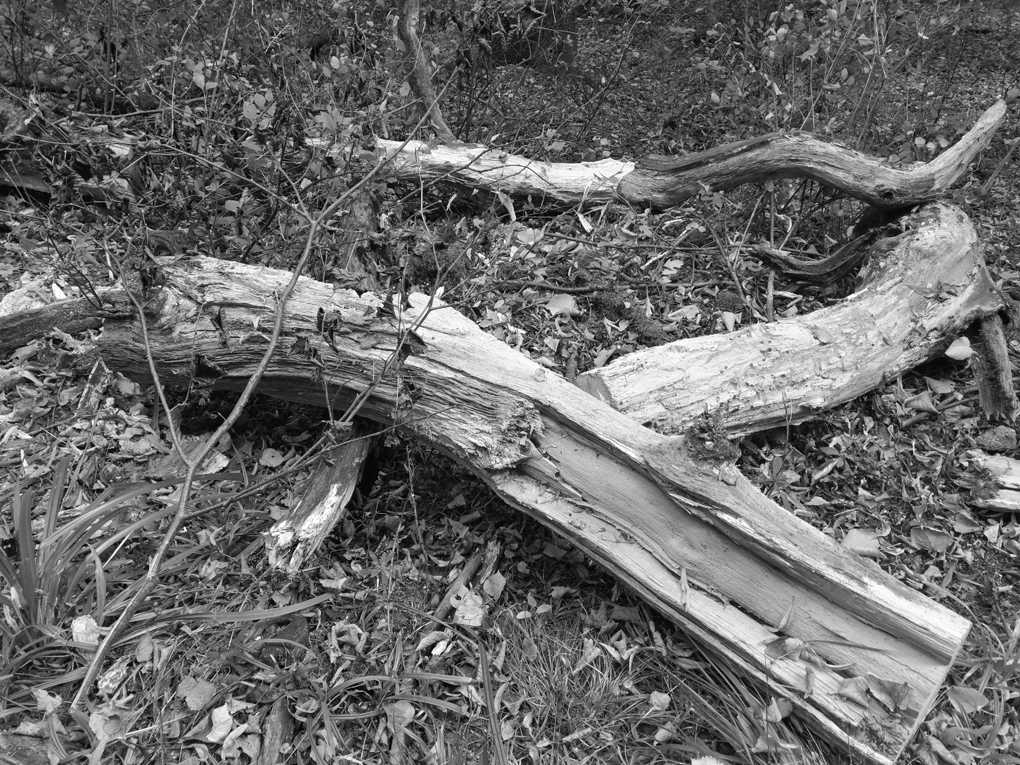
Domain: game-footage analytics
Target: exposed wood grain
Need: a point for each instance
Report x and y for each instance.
(324, 498)
(694, 538)
(997, 490)
(924, 287)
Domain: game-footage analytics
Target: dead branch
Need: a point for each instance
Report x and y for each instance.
(661, 182)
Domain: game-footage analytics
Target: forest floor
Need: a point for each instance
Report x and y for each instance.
(581, 670)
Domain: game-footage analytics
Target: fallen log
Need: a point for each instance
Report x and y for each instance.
(860, 655)
(660, 182)
(926, 285)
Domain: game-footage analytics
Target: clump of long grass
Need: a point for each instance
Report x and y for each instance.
(60, 573)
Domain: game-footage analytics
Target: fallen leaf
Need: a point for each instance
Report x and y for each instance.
(46, 702)
(890, 693)
(784, 648)
(469, 608)
(965, 523)
(507, 729)
(855, 689)
(664, 734)
(590, 652)
(565, 304)
(626, 614)
(778, 709)
(658, 701)
(222, 724)
(399, 714)
(85, 630)
(113, 678)
(940, 387)
(967, 700)
(196, 693)
(863, 542)
(603, 356)
(922, 403)
(530, 648)
(930, 539)
(107, 724)
(944, 755)
(553, 551)
(767, 742)
(271, 458)
(431, 639)
(494, 584)
(960, 349)
(785, 621)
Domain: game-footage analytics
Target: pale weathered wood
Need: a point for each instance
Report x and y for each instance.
(997, 489)
(925, 286)
(493, 169)
(324, 498)
(660, 182)
(694, 538)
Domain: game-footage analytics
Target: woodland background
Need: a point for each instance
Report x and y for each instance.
(193, 118)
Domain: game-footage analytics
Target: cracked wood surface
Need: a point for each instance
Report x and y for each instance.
(661, 182)
(694, 538)
(925, 286)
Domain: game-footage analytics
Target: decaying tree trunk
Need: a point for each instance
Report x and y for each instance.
(924, 287)
(659, 182)
(860, 655)
(670, 516)
(660, 512)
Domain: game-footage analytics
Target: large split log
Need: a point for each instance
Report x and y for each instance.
(924, 287)
(780, 600)
(660, 182)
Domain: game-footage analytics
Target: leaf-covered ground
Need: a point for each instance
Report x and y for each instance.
(376, 651)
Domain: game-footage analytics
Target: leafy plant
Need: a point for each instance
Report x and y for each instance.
(62, 586)
(802, 66)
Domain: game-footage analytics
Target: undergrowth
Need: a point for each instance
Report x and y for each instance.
(182, 130)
